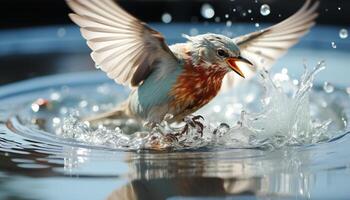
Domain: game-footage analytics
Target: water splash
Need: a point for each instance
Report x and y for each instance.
(285, 116)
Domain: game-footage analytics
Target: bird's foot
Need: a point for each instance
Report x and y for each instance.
(193, 122)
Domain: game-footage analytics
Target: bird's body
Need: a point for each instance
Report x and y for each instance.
(178, 79)
(173, 93)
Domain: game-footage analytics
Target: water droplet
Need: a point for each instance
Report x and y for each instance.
(339, 8)
(227, 16)
(194, 31)
(328, 88)
(56, 121)
(207, 11)
(296, 82)
(249, 11)
(35, 107)
(244, 14)
(61, 32)
(83, 104)
(166, 18)
(228, 23)
(334, 45)
(95, 108)
(234, 10)
(343, 33)
(55, 96)
(265, 10)
(217, 108)
(348, 90)
(257, 25)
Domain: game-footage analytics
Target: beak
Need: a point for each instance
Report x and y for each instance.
(232, 63)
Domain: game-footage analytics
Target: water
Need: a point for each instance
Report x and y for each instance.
(207, 11)
(244, 125)
(265, 10)
(40, 162)
(343, 33)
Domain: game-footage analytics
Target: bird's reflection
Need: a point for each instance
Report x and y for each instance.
(165, 188)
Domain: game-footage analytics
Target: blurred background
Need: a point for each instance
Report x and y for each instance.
(37, 38)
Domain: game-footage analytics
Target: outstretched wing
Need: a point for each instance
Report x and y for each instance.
(264, 47)
(123, 46)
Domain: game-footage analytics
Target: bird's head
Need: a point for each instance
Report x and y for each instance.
(210, 50)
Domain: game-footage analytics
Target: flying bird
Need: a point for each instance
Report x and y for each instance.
(181, 78)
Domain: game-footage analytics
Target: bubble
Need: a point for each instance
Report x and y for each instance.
(166, 18)
(207, 11)
(229, 23)
(234, 10)
(343, 33)
(265, 10)
(227, 16)
(257, 25)
(328, 88)
(339, 8)
(334, 45)
(249, 11)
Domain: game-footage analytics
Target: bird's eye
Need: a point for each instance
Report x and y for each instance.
(222, 53)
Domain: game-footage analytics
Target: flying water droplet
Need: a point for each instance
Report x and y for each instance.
(343, 33)
(207, 11)
(257, 25)
(334, 45)
(61, 32)
(249, 11)
(227, 16)
(229, 23)
(234, 10)
(265, 10)
(194, 31)
(327, 87)
(348, 90)
(166, 18)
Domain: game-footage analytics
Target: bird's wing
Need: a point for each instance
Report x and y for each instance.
(264, 47)
(123, 46)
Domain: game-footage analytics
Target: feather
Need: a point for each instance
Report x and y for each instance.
(121, 44)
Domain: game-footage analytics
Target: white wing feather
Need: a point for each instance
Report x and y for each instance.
(264, 47)
(123, 46)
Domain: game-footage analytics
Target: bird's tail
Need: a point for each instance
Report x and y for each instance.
(120, 112)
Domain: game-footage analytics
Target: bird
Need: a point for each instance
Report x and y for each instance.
(179, 79)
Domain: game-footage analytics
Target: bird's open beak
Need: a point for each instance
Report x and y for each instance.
(232, 63)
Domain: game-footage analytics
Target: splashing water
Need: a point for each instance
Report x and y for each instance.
(284, 118)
